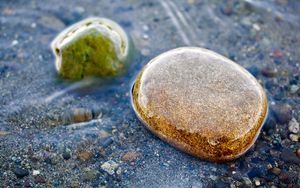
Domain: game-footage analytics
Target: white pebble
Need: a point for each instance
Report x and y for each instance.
(257, 182)
(35, 172)
(109, 167)
(145, 27)
(14, 42)
(256, 27)
(145, 52)
(294, 88)
(294, 137)
(294, 126)
(33, 25)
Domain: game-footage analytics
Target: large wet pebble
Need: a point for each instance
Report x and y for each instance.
(200, 102)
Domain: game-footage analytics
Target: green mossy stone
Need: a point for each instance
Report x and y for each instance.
(92, 47)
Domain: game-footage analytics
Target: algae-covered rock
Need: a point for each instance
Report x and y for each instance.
(92, 47)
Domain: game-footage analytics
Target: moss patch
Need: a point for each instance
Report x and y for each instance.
(89, 54)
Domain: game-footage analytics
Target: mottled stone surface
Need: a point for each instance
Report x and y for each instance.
(92, 47)
(200, 102)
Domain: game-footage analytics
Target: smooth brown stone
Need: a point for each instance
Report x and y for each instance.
(85, 155)
(131, 156)
(200, 102)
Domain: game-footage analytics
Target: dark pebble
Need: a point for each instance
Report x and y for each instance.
(256, 160)
(256, 172)
(3, 70)
(294, 81)
(282, 112)
(89, 174)
(269, 85)
(289, 157)
(253, 70)
(123, 9)
(269, 125)
(39, 179)
(21, 172)
(287, 177)
(48, 160)
(269, 71)
(226, 10)
(277, 61)
(125, 23)
(27, 184)
(66, 154)
(107, 142)
(279, 96)
(52, 159)
(68, 17)
(156, 19)
(221, 184)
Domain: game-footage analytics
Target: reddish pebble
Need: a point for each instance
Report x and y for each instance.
(130, 156)
(278, 53)
(84, 155)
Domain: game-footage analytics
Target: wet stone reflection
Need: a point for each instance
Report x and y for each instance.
(201, 103)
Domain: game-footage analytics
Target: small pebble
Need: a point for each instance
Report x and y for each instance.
(220, 184)
(102, 134)
(277, 53)
(39, 179)
(294, 126)
(51, 22)
(21, 172)
(89, 174)
(35, 172)
(282, 112)
(253, 70)
(145, 51)
(85, 155)
(247, 182)
(14, 43)
(285, 178)
(130, 156)
(52, 159)
(276, 171)
(4, 133)
(145, 27)
(75, 184)
(256, 172)
(269, 71)
(66, 154)
(81, 115)
(257, 182)
(256, 27)
(119, 171)
(109, 167)
(106, 142)
(294, 88)
(294, 137)
(33, 25)
(289, 157)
